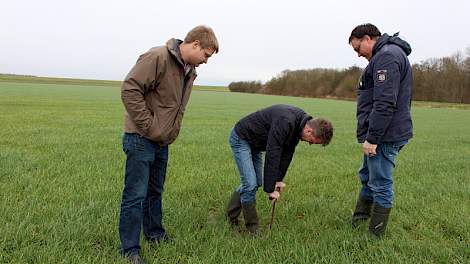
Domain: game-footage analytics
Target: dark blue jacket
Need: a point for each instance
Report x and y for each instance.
(276, 130)
(384, 93)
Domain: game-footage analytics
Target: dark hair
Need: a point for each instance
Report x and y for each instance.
(364, 29)
(323, 129)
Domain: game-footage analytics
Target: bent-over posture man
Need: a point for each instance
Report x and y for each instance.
(275, 130)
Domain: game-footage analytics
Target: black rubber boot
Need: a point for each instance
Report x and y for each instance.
(362, 211)
(234, 209)
(378, 220)
(251, 218)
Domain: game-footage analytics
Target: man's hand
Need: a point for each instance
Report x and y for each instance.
(280, 186)
(369, 149)
(274, 195)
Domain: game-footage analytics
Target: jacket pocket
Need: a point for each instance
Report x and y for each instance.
(163, 124)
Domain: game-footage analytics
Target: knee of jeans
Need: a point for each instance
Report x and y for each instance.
(248, 183)
(251, 188)
(382, 187)
(128, 204)
(132, 197)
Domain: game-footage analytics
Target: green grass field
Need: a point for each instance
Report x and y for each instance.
(61, 177)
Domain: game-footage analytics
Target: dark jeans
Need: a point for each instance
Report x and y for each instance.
(141, 204)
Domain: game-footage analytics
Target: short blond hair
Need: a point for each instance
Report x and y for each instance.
(206, 37)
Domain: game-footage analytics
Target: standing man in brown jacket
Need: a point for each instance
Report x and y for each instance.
(155, 94)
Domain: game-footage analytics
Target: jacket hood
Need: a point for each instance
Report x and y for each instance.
(395, 40)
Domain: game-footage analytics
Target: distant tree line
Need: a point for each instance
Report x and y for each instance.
(441, 80)
(15, 75)
(246, 87)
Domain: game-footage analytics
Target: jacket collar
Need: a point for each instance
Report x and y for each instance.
(302, 123)
(174, 49)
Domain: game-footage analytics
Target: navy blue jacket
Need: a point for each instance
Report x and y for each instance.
(276, 130)
(384, 93)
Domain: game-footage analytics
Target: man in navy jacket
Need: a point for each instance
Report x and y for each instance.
(275, 130)
(384, 123)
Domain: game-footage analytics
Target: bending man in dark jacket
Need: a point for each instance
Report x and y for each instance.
(276, 130)
(155, 94)
(383, 119)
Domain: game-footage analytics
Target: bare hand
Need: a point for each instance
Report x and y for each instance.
(369, 149)
(274, 195)
(280, 186)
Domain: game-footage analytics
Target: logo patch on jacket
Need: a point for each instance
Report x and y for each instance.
(381, 76)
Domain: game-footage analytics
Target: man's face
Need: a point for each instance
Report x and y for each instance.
(363, 46)
(199, 55)
(307, 136)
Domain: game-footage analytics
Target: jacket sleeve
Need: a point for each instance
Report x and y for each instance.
(277, 136)
(386, 77)
(286, 158)
(139, 81)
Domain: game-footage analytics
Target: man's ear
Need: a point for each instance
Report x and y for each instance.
(309, 129)
(312, 131)
(196, 44)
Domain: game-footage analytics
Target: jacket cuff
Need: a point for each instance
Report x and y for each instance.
(372, 140)
(269, 189)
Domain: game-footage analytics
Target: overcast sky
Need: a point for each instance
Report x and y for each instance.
(101, 39)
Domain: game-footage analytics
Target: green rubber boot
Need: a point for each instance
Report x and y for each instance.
(251, 218)
(362, 211)
(234, 209)
(378, 220)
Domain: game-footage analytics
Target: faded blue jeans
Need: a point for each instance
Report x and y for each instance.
(141, 204)
(250, 167)
(376, 172)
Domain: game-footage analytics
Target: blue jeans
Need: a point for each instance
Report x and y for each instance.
(375, 174)
(141, 204)
(250, 167)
